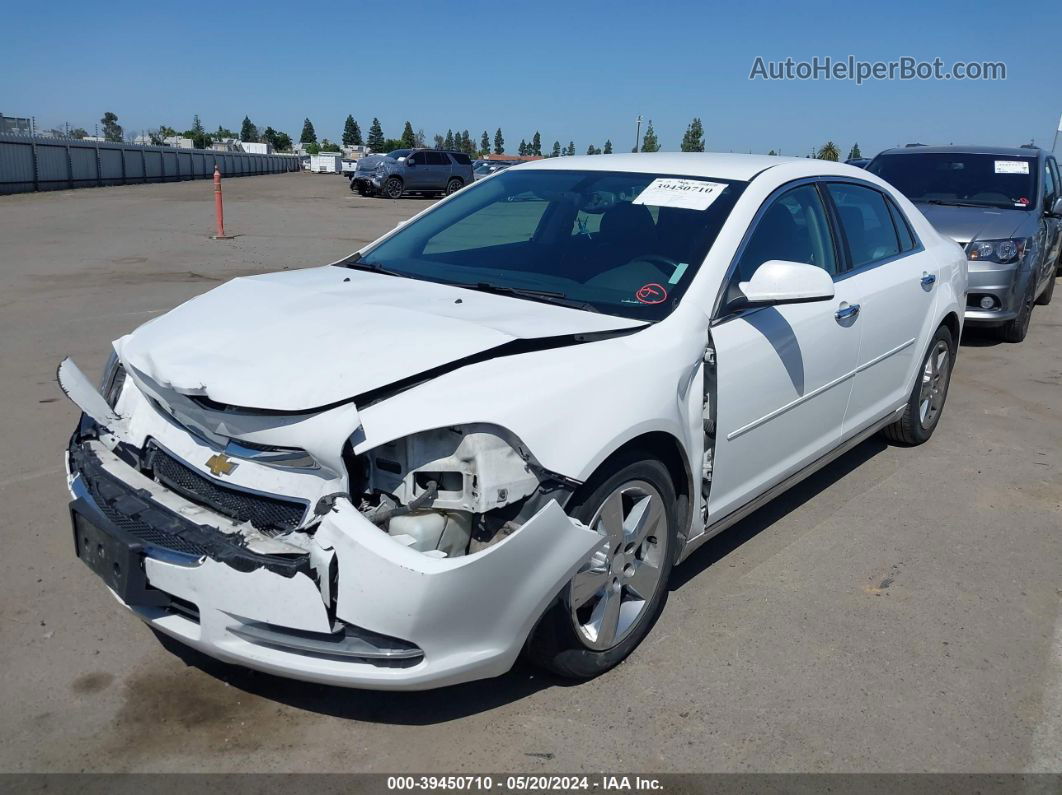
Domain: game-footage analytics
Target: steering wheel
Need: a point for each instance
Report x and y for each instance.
(666, 265)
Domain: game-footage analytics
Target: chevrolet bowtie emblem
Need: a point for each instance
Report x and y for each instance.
(220, 464)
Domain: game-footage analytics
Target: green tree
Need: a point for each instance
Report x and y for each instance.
(223, 133)
(448, 142)
(571, 149)
(467, 146)
(556, 149)
(409, 139)
(283, 142)
(248, 132)
(522, 150)
(351, 133)
(608, 147)
(440, 142)
(649, 141)
(391, 144)
(328, 146)
(828, 151)
(499, 143)
(312, 148)
(112, 130)
(200, 139)
(536, 144)
(309, 135)
(375, 141)
(693, 140)
(484, 142)
(590, 150)
(855, 154)
(773, 153)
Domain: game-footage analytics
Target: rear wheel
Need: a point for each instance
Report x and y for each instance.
(616, 596)
(1016, 329)
(453, 186)
(924, 407)
(392, 188)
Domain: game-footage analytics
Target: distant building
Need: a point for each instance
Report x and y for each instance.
(179, 141)
(256, 147)
(15, 125)
(355, 152)
(226, 145)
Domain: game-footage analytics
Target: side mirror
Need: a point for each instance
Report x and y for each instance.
(1056, 208)
(781, 282)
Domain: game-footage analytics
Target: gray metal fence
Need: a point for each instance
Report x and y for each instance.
(29, 164)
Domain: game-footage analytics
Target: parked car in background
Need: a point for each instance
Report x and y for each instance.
(1004, 207)
(497, 428)
(858, 162)
(484, 168)
(413, 171)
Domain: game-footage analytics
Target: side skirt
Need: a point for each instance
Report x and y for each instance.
(735, 516)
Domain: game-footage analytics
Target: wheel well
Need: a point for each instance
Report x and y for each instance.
(951, 320)
(455, 179)
(667, 449)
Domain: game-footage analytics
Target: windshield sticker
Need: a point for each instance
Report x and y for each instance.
(690, 194)
(1012, 167)
(651, 293)
(679, 270)
(1022, 202)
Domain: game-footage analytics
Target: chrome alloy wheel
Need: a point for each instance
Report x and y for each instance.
(613, 589)
(934, 384)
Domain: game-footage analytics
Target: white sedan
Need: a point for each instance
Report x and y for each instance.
(496, 429)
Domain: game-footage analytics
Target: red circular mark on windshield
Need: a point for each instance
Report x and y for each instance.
(1023, 200)
(651, 293)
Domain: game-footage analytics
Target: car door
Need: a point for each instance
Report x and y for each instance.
(1052, 190)
(417, 171)
(892, 279)
(783, 372)
(440, 167)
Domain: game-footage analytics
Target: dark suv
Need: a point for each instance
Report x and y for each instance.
(412, 171)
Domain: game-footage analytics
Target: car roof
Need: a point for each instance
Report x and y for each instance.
(1004, 151)
(694, 164)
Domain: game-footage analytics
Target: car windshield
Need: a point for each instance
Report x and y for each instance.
(485, 168)
(614, 242)
(399, 153)
(981, 180)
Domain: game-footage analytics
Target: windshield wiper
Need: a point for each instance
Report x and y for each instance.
(946, 203)
(532, 294)
(355, 262)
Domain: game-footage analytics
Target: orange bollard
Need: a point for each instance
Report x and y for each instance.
(219, 210)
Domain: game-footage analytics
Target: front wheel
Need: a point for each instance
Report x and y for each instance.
(616, 596)
(924, 407)
(392, 188)
(453, 186)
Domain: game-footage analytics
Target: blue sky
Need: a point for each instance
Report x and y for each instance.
(575, 71)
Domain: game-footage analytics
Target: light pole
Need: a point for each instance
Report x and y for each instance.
(637, 132)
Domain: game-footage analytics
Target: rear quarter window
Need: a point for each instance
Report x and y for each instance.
(461, 159)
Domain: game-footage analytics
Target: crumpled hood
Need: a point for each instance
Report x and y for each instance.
(370, 162)
(963, 224)
(304, 339)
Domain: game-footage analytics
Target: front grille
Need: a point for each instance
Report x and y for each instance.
(108, 495)
(271, 515)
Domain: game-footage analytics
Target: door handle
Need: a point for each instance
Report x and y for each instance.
(928, 279)
(846, 312)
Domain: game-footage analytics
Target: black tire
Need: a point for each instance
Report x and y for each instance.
(914, 427)
(354, 187)
(393, 188)
(453, 186)
(1016, 329)
(555, 643)
(1045, 296)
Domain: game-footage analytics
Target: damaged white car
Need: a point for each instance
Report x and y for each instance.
(497, 428)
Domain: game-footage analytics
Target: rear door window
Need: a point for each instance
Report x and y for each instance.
(866, 223)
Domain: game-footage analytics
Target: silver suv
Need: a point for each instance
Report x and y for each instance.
(1004, 207)
(412, 171)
